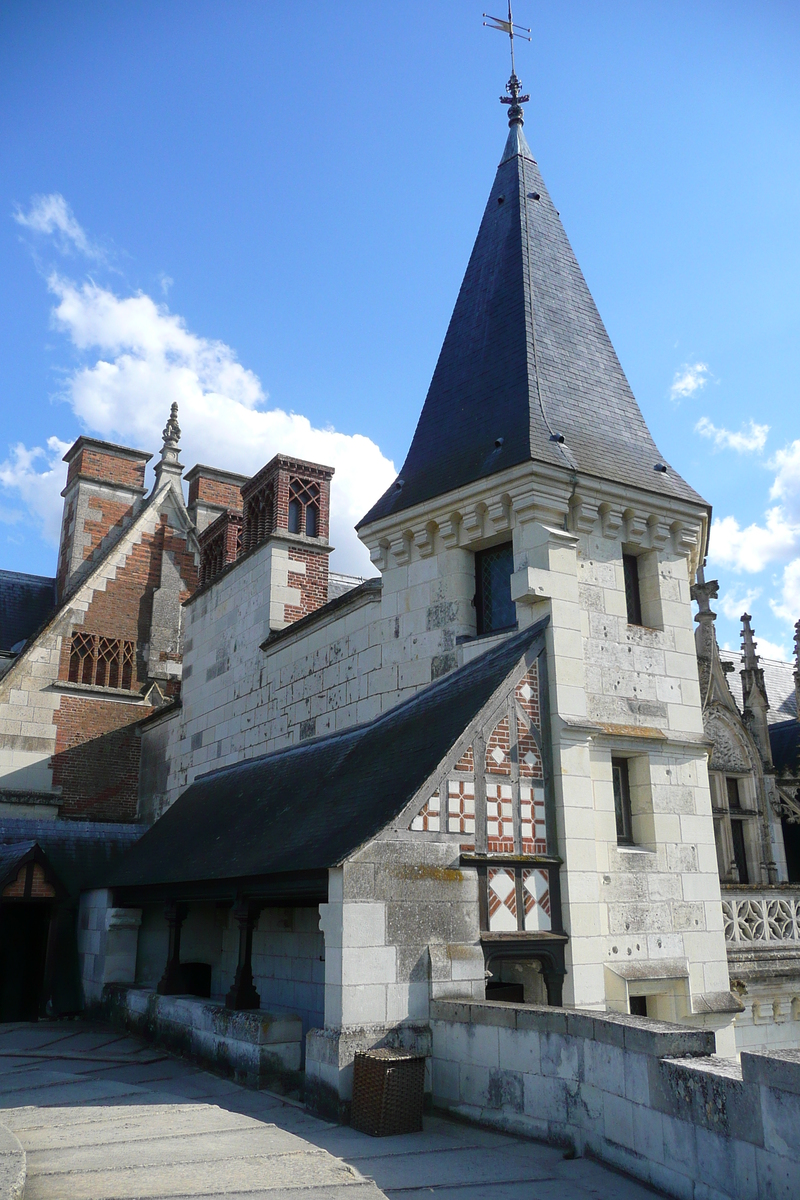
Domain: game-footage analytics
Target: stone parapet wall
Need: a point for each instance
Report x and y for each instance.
(648, 1097)
(258, 1048)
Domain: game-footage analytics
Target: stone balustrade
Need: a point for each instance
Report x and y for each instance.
(761, 915)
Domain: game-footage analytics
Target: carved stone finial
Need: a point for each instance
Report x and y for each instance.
(169, 464)
(748, 645)
(703, 593)
(172, 430)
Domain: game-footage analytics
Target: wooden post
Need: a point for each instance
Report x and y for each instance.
(172, 982)
(243, 994)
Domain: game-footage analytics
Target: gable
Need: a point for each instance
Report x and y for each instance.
(311, 806)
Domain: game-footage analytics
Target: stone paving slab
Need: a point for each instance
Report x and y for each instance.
(135, 1129)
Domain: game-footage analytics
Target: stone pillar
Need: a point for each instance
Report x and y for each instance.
(172, 982)
(243, 994)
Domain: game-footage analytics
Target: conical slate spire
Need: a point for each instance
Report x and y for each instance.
(527, 370)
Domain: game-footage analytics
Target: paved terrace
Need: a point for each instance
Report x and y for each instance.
(102, 1115)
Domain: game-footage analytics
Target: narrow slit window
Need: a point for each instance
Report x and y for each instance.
(622, 800)
(311, 520)
(739, 850)
(295, 511)
(633, 599)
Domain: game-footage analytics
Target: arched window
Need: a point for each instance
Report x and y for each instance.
(304, 508)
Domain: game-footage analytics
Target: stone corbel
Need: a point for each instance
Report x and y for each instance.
(684, 538)
(379, 555)
(583, 514)
(611, 520)
(635, 527)
(658, 533)
(499, 513)
(401, 548)
(424, 540)
(450, 531)
(472, 521)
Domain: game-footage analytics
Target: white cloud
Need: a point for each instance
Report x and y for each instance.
(753, 548)
(765, 649)
(37, 475)
(735, 602)
(139, 358)
(52, 215)
(750, 439)
(691, 378)
(786, 464)
(788, 607)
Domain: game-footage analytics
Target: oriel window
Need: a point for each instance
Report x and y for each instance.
(622, 800)
(493, 604)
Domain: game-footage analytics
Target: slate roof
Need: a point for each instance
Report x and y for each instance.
(784, 740)
(309, 806)
(12, 854)
(26, 602)
(778, 680)
(81, 853)
(526, 357)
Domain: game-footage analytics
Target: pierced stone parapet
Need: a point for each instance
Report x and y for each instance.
(768, 917)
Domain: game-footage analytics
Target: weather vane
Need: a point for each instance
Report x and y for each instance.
(513, 87)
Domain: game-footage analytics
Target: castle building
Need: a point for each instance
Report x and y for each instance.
(91, 653)
(488, 764)
(492, 771)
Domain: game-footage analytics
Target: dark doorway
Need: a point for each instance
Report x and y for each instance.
(791, 844)
(23, 948)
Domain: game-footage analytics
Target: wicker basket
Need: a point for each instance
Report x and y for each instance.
(388, 1090)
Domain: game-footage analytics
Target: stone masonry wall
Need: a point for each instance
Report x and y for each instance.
(649, 1098)
(47, 748)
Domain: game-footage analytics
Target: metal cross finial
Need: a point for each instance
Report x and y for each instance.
(513, 87)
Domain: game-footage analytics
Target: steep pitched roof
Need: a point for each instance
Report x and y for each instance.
(26, 602)
(526, 359)
(81, 852)
(309, 806)
(784, 740)
(778, 680)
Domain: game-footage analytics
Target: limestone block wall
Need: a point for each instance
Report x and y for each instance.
(400, 926)
(288, 962)
(771, 1017)
(648, 1098)
(107, 944)
(288, 955)
(401, 923)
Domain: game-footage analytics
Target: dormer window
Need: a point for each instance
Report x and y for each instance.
(495, 610)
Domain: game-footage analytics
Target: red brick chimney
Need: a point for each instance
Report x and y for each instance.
(211, 493)
(105, 486)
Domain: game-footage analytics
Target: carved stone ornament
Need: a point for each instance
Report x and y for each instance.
(727, 754)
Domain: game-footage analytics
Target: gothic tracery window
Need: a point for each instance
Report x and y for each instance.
(304, 508)
(101, 662)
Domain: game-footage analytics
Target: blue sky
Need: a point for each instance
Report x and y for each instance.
(264, 211)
